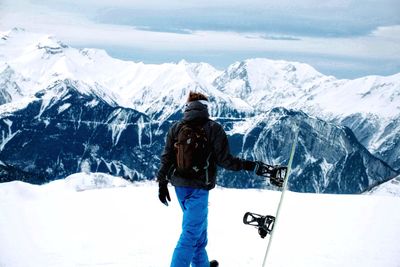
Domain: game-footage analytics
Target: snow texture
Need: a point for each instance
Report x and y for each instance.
(119, 224)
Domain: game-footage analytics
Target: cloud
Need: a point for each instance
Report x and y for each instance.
(332, 18)
(387, 32)
(272, 37)
(156, 4)
(216, 35)
(287, 5)
(168, 30)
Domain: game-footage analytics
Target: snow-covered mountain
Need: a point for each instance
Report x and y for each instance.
(62, 106)
(253, 85)
(370, 106)
(267, 83)
(157, 90)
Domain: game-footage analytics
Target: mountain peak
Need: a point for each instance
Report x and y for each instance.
(51, 45)
(14, 32)
(260, 71)
(18, 29)
(183, 62)
(23, 44)
(281, 66)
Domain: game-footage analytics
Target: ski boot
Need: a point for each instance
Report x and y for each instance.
(214, 263)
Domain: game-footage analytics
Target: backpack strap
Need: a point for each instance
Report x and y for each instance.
(206, 168)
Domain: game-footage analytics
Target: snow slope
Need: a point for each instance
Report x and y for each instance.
(80, 222)
(389, 188)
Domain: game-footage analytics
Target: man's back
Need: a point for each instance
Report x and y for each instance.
(196, 113)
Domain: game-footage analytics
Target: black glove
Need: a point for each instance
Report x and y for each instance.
(248, 165)
(163, 193)
(262, 169)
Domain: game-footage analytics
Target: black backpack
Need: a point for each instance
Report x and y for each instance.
(192, 151)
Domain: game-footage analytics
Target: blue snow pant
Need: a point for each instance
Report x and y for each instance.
(191, 247)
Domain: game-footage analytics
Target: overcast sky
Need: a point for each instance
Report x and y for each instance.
(345, 38)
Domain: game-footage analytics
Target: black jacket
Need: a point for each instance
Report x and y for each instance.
(196, 112)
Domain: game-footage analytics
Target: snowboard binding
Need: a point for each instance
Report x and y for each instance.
(265, 224)
(275, 173)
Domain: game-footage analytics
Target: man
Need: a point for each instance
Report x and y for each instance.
(192, 188)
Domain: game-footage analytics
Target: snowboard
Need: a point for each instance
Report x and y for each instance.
(278, 176)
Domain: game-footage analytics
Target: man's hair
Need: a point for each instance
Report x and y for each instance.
(195, 96)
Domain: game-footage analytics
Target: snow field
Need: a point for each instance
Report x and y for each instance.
(115, 223)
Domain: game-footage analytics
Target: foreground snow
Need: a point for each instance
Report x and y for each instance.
(99, 220)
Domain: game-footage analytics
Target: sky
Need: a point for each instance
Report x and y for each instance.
(344, 38)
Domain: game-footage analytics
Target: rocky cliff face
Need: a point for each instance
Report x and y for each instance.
(63, 128)
(328, 158)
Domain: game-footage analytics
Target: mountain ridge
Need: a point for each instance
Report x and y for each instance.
(239, 95)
